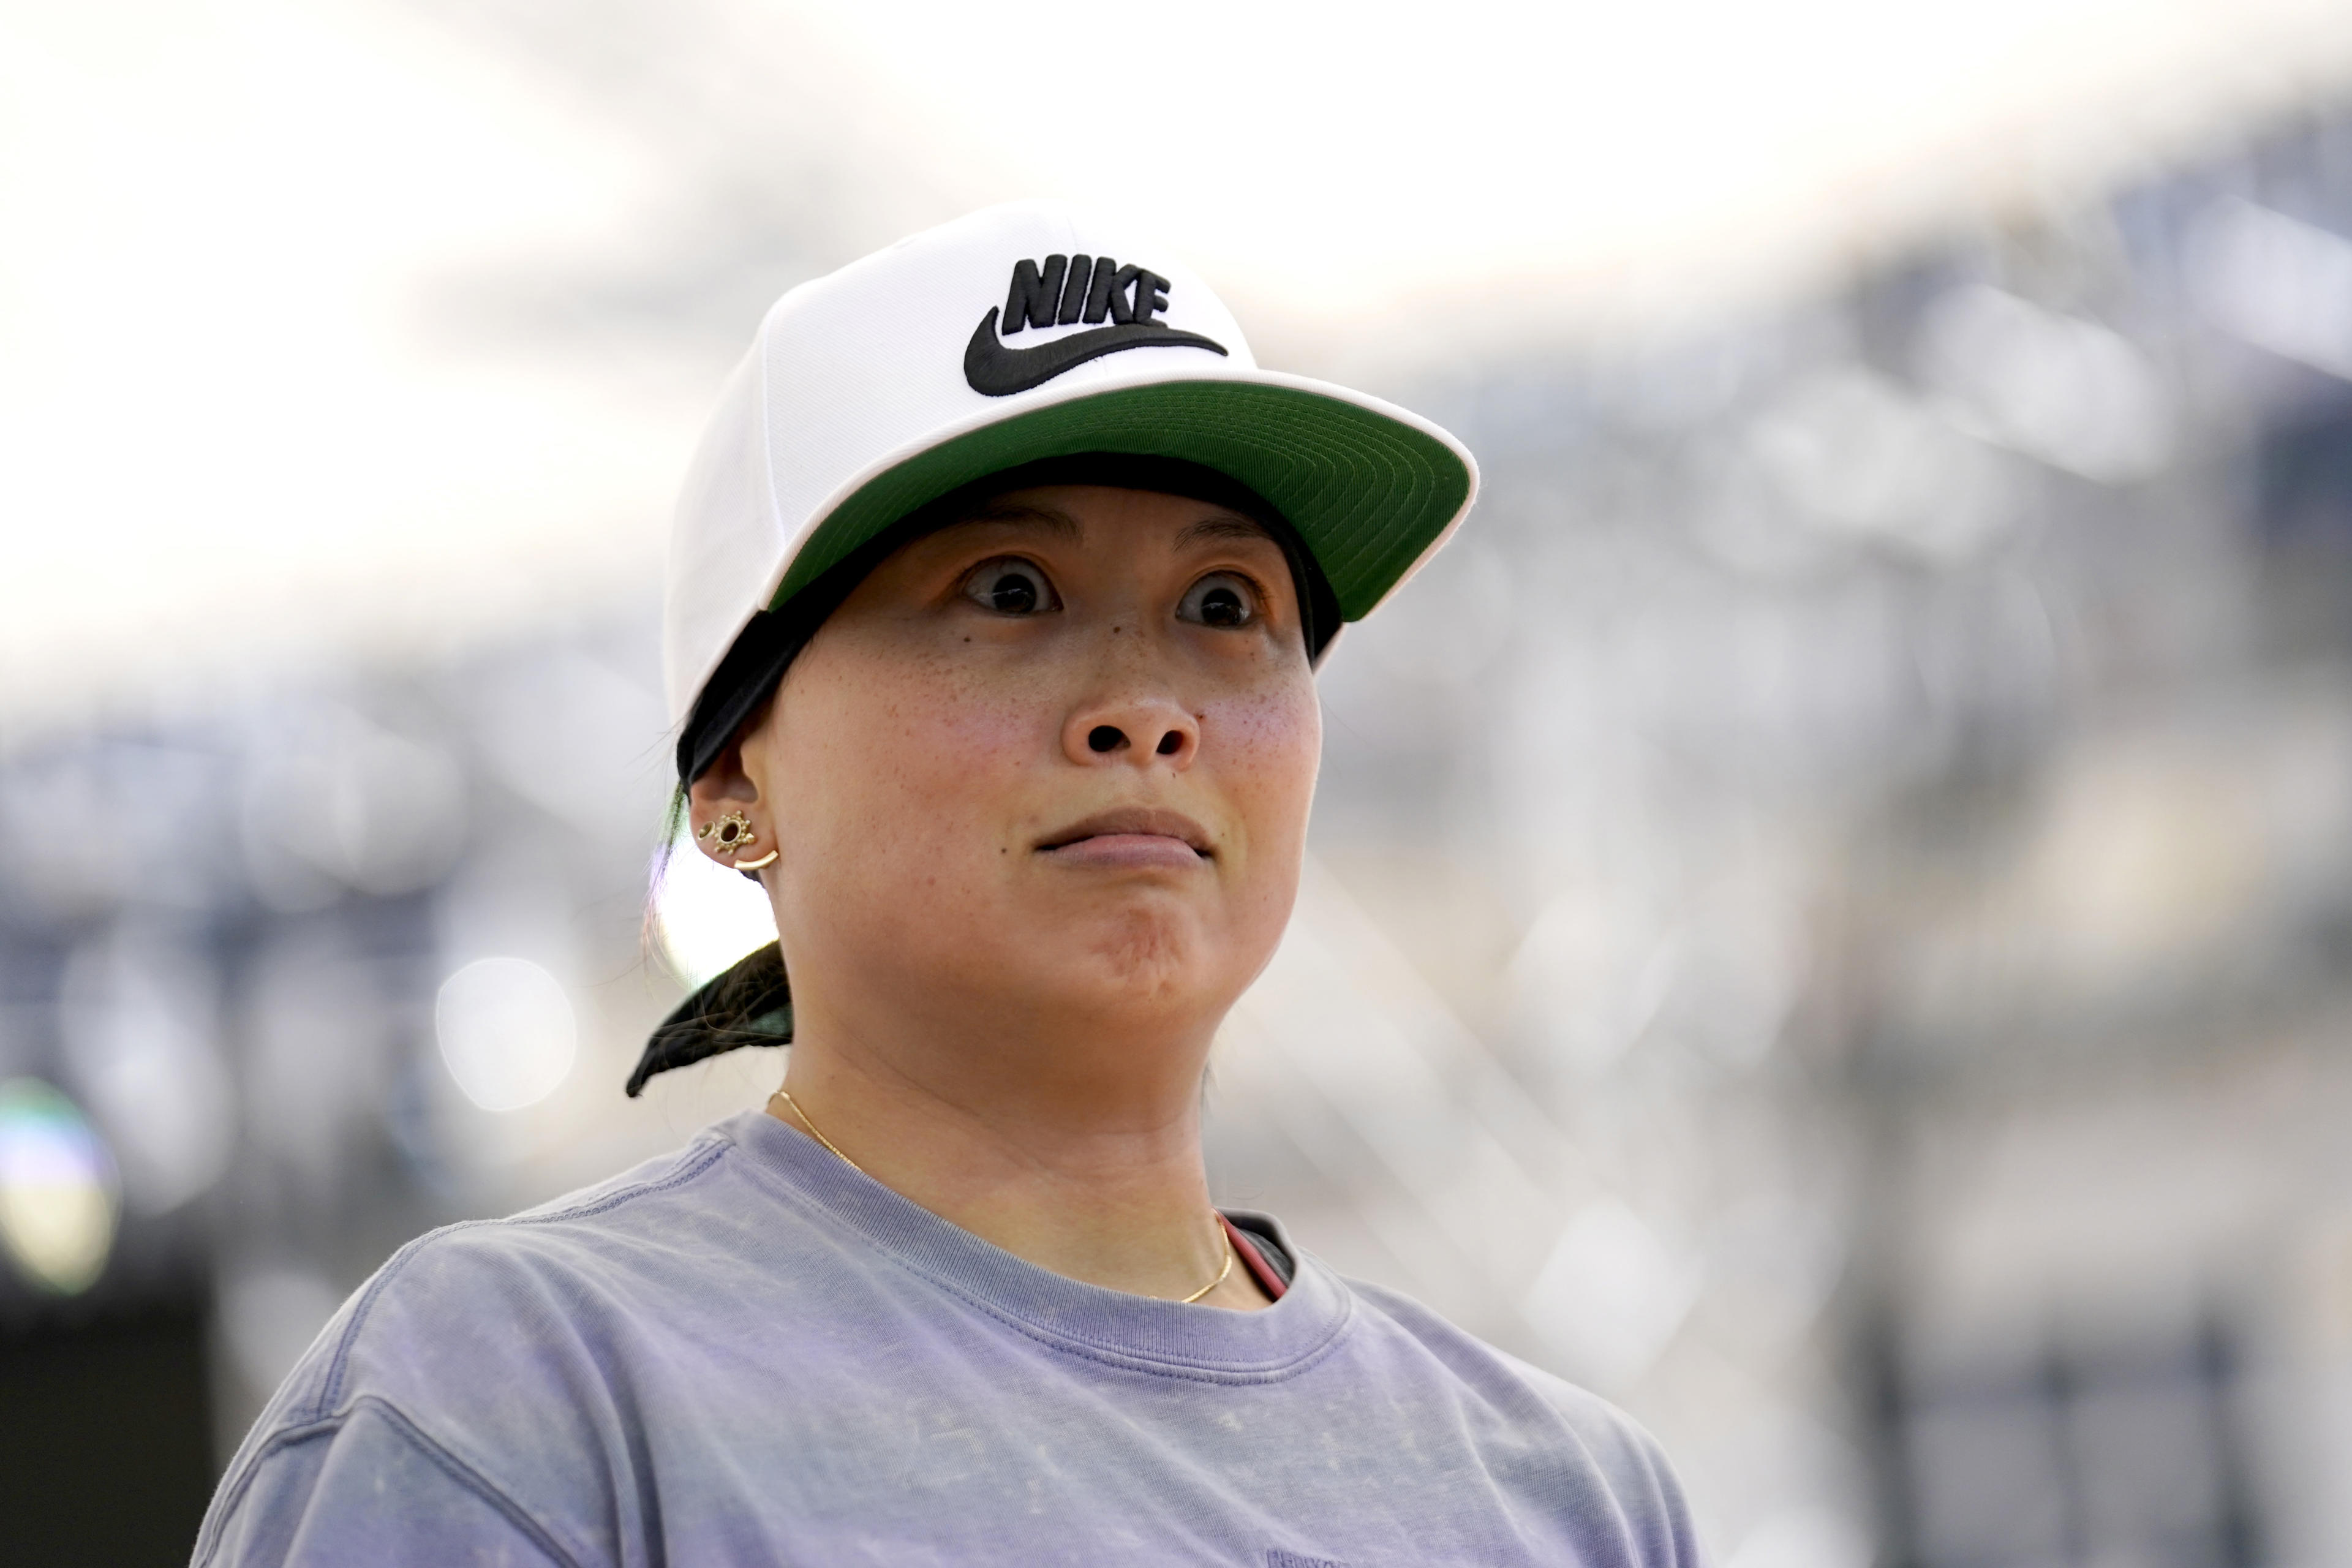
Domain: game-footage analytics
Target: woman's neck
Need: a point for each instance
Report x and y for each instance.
(1097, 1176)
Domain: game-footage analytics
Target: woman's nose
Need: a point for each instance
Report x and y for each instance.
(1134, 732)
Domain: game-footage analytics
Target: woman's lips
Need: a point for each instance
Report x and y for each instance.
(1134, 851)
(1133, 838)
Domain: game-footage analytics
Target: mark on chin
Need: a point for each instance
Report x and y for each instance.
(1146, 948)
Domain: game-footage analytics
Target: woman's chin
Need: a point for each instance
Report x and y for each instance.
(1147, 952)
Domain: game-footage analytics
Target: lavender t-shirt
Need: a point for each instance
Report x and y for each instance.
(748, 1352)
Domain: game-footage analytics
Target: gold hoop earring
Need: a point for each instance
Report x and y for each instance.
(770, 858)
(729, 835)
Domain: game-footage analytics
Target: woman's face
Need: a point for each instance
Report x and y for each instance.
(1055, 760)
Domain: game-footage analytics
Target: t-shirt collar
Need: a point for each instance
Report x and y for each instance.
(1142, 1332)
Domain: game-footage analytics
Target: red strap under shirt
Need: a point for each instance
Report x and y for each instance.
(1254, 1261)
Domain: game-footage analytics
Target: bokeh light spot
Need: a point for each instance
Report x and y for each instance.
(506, 1031)
(57, 1191)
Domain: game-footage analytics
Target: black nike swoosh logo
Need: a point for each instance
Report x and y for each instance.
(995, 370)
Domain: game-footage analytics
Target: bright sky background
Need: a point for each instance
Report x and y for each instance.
(342, 326)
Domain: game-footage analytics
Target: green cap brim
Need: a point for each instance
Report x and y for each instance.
(1368, 493)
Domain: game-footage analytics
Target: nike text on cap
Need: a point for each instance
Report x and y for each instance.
(1032, 331)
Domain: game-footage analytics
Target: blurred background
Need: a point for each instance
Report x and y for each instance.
(1830, 916)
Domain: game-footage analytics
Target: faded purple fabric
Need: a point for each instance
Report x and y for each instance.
(748, 1352)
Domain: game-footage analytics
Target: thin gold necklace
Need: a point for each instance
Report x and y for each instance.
(834, 1149)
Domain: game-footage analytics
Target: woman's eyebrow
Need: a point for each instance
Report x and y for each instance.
(1230, 526)
(1045, 517)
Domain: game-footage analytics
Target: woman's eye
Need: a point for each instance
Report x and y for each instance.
(1009, 587)
(1218, 599)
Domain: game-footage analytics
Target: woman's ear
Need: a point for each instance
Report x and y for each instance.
(724, 807)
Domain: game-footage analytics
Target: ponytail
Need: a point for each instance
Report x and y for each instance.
(749, 1005)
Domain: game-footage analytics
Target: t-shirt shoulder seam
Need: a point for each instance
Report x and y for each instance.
(449, 1464)
(696, 1159)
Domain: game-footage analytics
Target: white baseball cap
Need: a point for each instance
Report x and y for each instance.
(1033, 330)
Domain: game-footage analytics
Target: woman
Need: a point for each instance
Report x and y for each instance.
(995, 600)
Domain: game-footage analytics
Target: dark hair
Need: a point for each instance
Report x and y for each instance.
(752, 1002)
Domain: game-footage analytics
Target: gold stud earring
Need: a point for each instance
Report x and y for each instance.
(729, 835)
